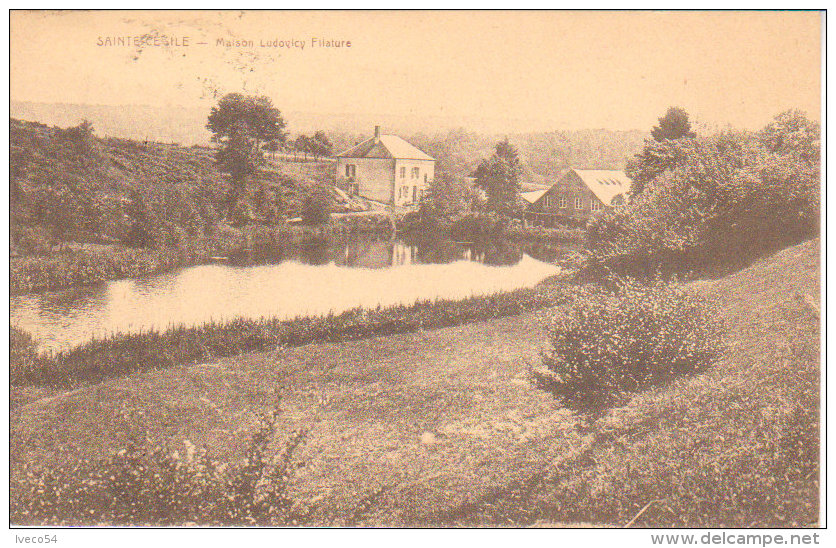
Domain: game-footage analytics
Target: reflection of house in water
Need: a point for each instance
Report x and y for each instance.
(377, 254)
(385, 253)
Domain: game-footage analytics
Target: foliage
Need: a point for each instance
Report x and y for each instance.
(58, 270)
(717, 200)
(23, 355)
(475, 227)
(673, 125)
(610, 342)
(145, 228)
(322, 144)
(148, 483)
(304, 144)
(242, 125)
(518, 232)
(34, 240)
(263, 122)
(662, 152)
(316, 209)
(499, 178)
(446, 198)
(126, 353)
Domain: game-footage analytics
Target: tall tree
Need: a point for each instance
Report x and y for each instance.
(661, 153)
(673, 125)
(241, 124)
(499, 178)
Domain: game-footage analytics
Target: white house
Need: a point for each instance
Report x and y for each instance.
(386, 169)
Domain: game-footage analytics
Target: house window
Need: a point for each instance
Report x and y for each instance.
(403, 173)
(547, 201)
(425, 177)
(561, 202)
(415, 172)
(578, 203)
(350, 171)
(595, 205)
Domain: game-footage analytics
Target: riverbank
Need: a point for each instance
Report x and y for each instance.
(82, 265)
(94, 264)
(444, 426)
(121, 354)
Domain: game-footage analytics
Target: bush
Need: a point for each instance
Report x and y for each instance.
(23, 356)
(34, 240)
(316, 209)
(478, 227)
(612, 341)
(715, 202)
(149, 484)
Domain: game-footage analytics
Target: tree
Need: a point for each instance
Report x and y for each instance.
(499, 178)
(272, 147)
(304, 145)
(727, 197)
(145, 226)
(662, 153)
(447, 197)
(241, 125)
(322, 143)
(673, 125)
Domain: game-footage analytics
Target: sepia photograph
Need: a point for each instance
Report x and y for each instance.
(417, 269)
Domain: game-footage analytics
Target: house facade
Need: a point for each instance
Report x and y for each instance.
(577, 196)
(385, 169)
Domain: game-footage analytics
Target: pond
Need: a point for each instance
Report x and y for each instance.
(312, 279)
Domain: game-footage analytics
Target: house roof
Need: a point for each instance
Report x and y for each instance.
(605, 184)
(533, 196)
(386, 146)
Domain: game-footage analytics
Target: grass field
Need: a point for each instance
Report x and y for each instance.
(444, 426)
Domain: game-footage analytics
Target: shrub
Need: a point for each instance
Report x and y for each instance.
(148, 483)
(316, 209)
(610, 341)
(23, 356)
(715, 201)
(478, 227)
(33, 240)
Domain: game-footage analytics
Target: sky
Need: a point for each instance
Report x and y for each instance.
(565, 70)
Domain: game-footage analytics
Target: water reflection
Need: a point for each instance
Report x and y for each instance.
(380, 252)
(316, 278)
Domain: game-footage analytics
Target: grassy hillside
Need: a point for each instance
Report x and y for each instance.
(427, 428)
(69, 185)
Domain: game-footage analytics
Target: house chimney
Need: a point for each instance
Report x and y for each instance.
(377, 133)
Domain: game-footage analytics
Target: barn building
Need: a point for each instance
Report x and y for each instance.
(577, 196)
(385, 169)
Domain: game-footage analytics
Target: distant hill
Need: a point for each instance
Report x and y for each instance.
(185, 125)
(162, 124)
(459, 145)
(545, 156)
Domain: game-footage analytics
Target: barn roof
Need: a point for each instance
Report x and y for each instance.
(533, 196)
(605, 184)
(386, 146)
